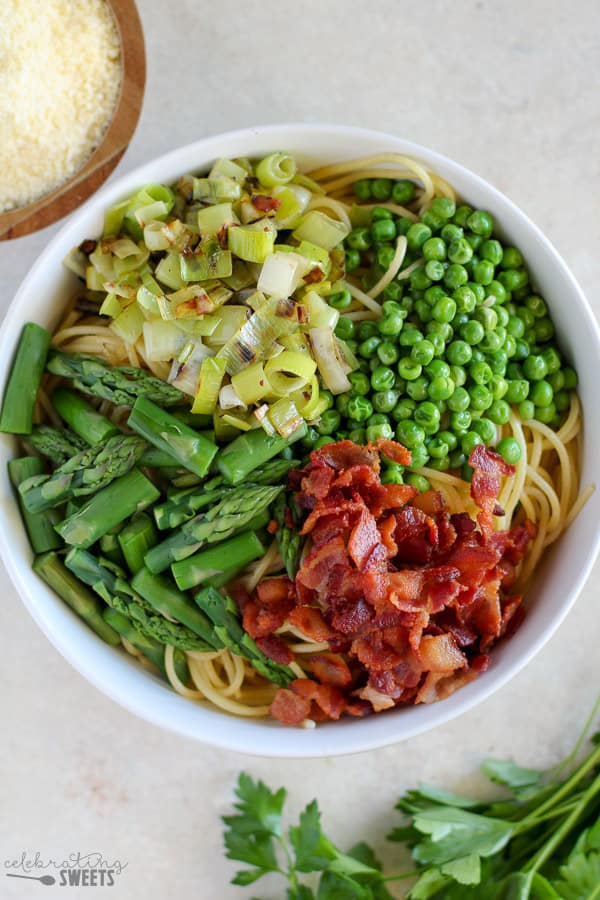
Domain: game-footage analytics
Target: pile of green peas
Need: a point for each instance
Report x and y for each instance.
(461, 340)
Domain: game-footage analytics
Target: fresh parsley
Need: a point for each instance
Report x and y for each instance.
(541, 841)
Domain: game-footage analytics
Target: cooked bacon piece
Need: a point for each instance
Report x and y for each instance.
(273, 591)
(394, 451)
(309, 620)
(330, 668)
(386, 529)
(364, 538)
(346, 511)
(289, 707)
(275, 649)
(378, 700)
(439, 653)
(406, 588)
(430, 502)
(320, 564)
(261, 621)
(264, 203)
(344, 454)
(488, 468)
(327, 697)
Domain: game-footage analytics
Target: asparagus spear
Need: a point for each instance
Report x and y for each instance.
(87, 472)
(24, 380)
(122, 498)
(136, 538)
(165, 432)
(109, 581)
(110, 547)
(121, 385)
(184, 505)
(56, 444)
(224, 615)
(231, 514)
(49, 567)
(82, 417)
(158, 459)
(251, 450)
(231, 555)
(148, 646)
(288, 538)
(164, 597)
(39, 526)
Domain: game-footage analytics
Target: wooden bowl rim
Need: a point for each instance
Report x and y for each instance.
(93, 173)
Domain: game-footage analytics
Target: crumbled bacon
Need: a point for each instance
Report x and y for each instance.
(409, 597)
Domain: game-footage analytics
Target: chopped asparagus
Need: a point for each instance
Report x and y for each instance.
(56, 444)
(148, 646)
(39, 526)
(121, 385)
(225, 617)
(24, 380)
(49, 567)
(252, 449)
(231, 555)
(289, 540)
(136, 538)
(86, 473)
(82, 418)
(164, 597)
(190, 448)
(231, 514)
(122, 498)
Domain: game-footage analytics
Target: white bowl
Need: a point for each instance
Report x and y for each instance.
(557, 582)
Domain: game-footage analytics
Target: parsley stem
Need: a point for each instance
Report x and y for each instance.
(414, 874)
(578, 744)
(547, 850)
(588, 764)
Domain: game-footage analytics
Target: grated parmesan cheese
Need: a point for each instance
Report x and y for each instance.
(60, 75)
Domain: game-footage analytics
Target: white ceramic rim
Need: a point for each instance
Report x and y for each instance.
(118, 676)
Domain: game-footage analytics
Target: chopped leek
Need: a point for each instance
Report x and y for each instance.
(216, 190)
(128, 325)
(285, 418)
(293, 202)
(320, 229)
(212, 371)
(317, 257)
(320, 313)
(270, 321)
(289, 371)
(94, 280)
(251, 384)
(297, 341)
(162, 340)
(230, 321)
(330, 369)
(111, 307)
(228, 398)
(307, 399)
(207, 262)
(202, 327)
(242, 424)
(212, 218)
(241, 277)
(147, 197)
(113, 218)
(276, 168)
(228, 168)
(254, 242)
(154, 237)
(146, 214)
(103, 260)
(281, 274)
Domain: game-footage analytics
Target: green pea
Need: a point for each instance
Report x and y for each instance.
(382, 378)
(541, 393)
(514, 370)
(323, 440)
(499, 412)
(404, 409)
(381, 212)
(544, 330)
(409, 433)
(444, 207)
(427, 415)
(498, 387)
(328, 397)
(497, 290)
(351, 260)
(460, 251)
(437, 447)
(438, 367)
(410, 336)
(419, 279)
(340, 300)
(570, 376)
(475, 240)
(458, 375)
(422, 353)
(392, 473)
(509, 449)
(418, 481)
(362, 189)
(478, 290)
(417, 389)
(481, 223)
(472, 332)
(441, 388)
(492, 251)
(432, 220)
(535, 368)
(552, 359)
(526, 410)
(434, 248)
(465, 299)
(434, 270)
(359, 409)
(515, 326)
(510, 346)
(368, 348)
(381, 188)
(403, 223)
(344, 328)
(384, 401)
(498, 361)
(361, 383)
(358, 435)
(444, 310)
(375, 432)
(390, 325)
(385, 255)
(512, 258)
(456, 276)
(359, 239)
(460, 422)
(363, 366)
(329, 422)
(481, 397)
(537, 306)
(419, 456)
(451, 233)
(409, 369)
(417, 234)
(388, 353)
(513, 279)
(480, 372)
(403, 191)
(459, 400)
(518, 390)
(391, 293)
(470, 440)
(485, 428)
(310, 438)
(341, 402)
(546, 414)
(457, 459)
(483, 272)
(461, 215)
(423, 311)
(562, 400)
(459, 353)
(522, 349)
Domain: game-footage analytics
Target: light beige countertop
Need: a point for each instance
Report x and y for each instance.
(508, 89)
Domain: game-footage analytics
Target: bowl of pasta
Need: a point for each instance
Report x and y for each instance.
(298, 432)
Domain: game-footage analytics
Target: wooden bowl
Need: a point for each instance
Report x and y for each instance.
(70, 194)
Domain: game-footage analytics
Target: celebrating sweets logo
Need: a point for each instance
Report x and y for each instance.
(77, 870)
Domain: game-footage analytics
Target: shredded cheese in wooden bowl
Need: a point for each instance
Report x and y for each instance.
(60, 77)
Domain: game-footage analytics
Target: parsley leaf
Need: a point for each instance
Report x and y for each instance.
(251, 832)
(313, 850)
(580, 877)
(521, 782)
(456, 833)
